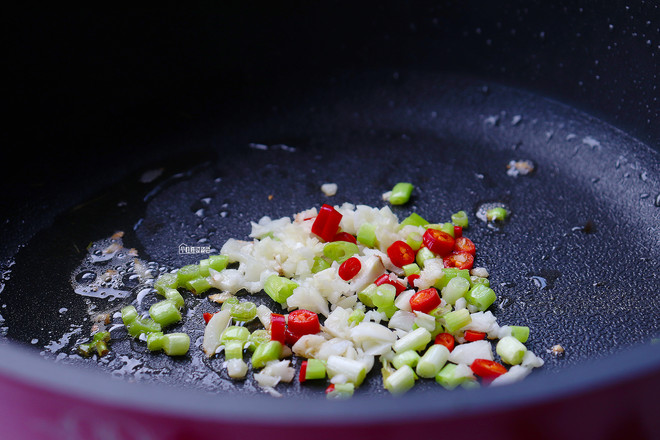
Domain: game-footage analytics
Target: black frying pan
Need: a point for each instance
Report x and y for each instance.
(577, 261)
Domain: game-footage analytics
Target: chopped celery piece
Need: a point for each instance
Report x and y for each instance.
(384, 296)
(408, 357)
(457, 319)
(176, 344)
(414, 220)
(245, 311)
(400, 381)
(521, 333)
(141, 325)
(265, 353)
(388, 310)
(432, 361)
(229, 303)
(340, 251)
(155, 341)
(315, 369)
(356, 317)
(496, 214)
(414, 240)
(367, 235)
(354, 370)
(218, 262)
(233, 349)
(198, 285)
(510, 350)
(410, 269)
(257, 338)
(447, 377)
(165, 313)
(279, 288)
(460, 219)
(204, 267)
(166, 281)
(187, 273)
(456, 288)
(401, 193)
(481, 297)
(235, 333)
(415, 340)
(422, 255)
(320, 264)
(448, 274)
(175, 296)
(474, 280)
(129, 314)
(367, 295)
(440, 311)
(341, 391)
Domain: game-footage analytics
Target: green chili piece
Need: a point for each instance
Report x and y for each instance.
(257, 338)
(401, 193)
(366, 297)
(481, 297)
(229, 303)
(496, 214)
(265, 353)
(234, 350)
(340, 251)
(129, 314)
(414, 220)
(142, 325)
(460, 219)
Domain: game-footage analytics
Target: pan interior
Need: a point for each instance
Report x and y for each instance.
(577, 261)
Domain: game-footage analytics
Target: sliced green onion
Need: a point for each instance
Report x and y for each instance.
(340, 251)
(366, 297)
(245, 311)
(155, 341)
(356, 317)
(410, 269)
(233, 350)
(521, 333)
(141, 325)
(315, 369)
(320, 264)
(432, 361)
(198, 285)
(447, 377)
(384, 296)
(176, 344)
(422, 255)
(229, 303)
(415, 340)
(218, 262)
(440, 311)
(187, 273)
(388, 310)
(165, 313)
(270, 351)
(457, 319)
(408, 357)
(279, 288)
(456, 288)
(460, 219)
(166, 281)
(367, 235)
(402, 380)
(235, 333)
(341, 391)
(481, 297)
(129, 314)
(414, 240)
(414, 220)
(257, 338)
(175, 296)
(496, 214)
(448, 274)
(474, 280)
(401, 193)
(510, 350)
(447, 228)
(204, 267)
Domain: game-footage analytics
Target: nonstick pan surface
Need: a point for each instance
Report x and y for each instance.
(577, 261)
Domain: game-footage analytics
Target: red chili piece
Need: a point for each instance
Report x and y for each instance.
(438, 242)
(412, 278)
(463, 244)
(303, 371)
(349, 268)
(291, 338)
(425, 300)
(330, 388)
(487, 369)
(446, 339)
(207, 317)
(326, 223)
(303, 322)
(401, 253)
(459, 260)
(277, 328)
(344, 236)
(385, 279)
(458, 231)
(472, 335)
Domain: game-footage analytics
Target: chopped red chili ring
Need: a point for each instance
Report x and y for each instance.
(487, 369)
(303, 371)
(277, 328)
(344, 236)
(458, 232)
(303, 322)
(401, 253)
(207, 317)
(459, 260)
(349, 268)
(412, 278)
(326, 223)
(425, 300)
(291, 338)
(473, 335)
(330, 388)
(446, 339)
(385, 279)
(463, 244)
(438, 242)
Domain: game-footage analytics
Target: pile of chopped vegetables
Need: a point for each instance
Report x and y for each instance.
(363, 291)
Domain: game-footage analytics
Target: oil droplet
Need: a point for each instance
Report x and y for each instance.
(86, 277)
